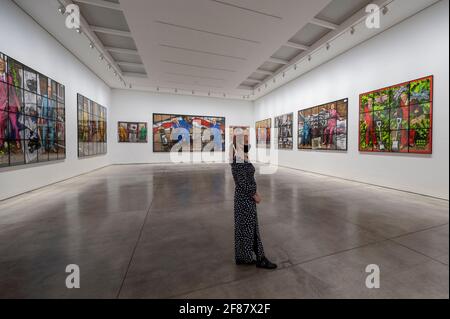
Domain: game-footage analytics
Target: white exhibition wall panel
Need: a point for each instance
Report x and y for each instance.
(417, 47)
(138, 106)
(24, 40)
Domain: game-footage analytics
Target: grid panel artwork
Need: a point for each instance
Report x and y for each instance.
(92, 128)
(284, 130)
(190, 130)
(32, 115)
(263, 130)
(132, 132)
(324, 127)
(398, 118)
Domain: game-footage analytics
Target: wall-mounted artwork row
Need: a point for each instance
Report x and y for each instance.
(324, 127)
(197, 133)
(284, 131)
(263, 130)
(132, 132)
(32, 115)
(397, 118)
(92, 124)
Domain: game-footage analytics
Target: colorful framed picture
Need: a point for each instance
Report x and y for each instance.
(284, 131)
(398, 118)
(30, 130)
(92, 128)
(263, 133)
(324, 127)
(173, 132)
(132, 132)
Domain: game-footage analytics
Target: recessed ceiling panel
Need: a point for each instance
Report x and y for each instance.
(309, 34)
(122, 57)
(103, 17)
(287, 53)
(340, 10)
(116, 41)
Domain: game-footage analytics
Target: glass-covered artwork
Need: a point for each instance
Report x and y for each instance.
(171, 132)
(92, 128)
(263, 129)
(284, 131)
(32, 115)
(132, 132)
(324, 127)
(398, 118)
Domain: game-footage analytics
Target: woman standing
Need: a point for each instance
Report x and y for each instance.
(247, 240)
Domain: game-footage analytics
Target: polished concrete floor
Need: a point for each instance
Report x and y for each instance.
(166, 231)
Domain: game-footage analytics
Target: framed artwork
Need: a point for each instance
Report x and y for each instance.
(398, 118)
(324, 127)
(92, 128)
(172, 130)
(284, 130)
(132, 132)
(263, 130)
(238, 130)
(32, 115)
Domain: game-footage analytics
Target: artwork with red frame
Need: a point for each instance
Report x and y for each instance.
(398, 119)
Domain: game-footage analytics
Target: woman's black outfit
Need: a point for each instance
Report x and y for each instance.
(247, 240)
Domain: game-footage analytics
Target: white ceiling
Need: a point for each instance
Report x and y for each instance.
(224, 48)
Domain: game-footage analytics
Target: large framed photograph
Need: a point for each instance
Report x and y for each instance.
(132, 132)
(397, 119)
(172, 131)
(92, 128)
(284, 126)
(32, 115)
(324, 127)
(263, 133)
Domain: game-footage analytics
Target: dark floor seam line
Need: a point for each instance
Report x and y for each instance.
(279, 269)
(134, 250)
(339, 252)
(418, 252)
(417, 231)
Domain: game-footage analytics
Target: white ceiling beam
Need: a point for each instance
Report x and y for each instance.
(264, 72)
(297, 46)
(324, 24)
(253, 80)
(279, 61)
(111, 31)
(130, 64)
(120, 50)
(102, 4)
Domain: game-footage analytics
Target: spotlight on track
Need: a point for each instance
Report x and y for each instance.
(62, 9)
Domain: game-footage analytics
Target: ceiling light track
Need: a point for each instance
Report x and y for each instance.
(323, 44)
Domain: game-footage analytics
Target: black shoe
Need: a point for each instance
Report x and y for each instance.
(243, 263)
(266, 264)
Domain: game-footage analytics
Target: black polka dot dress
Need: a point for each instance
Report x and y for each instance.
(247, 241)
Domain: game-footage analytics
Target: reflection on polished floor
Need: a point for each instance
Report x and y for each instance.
(162, 231)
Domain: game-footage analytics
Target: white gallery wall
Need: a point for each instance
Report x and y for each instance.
(138, 106)
(25, 41)
(417, 47)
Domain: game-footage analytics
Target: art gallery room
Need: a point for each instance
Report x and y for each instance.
(224, 149)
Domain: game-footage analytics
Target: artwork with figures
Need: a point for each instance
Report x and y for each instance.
(324, 127)
(92, 125)
(32, 115)
(172, 132)
(132, 132)
(263, 129)
(398, 118)
(238, 131)
(284, 130)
